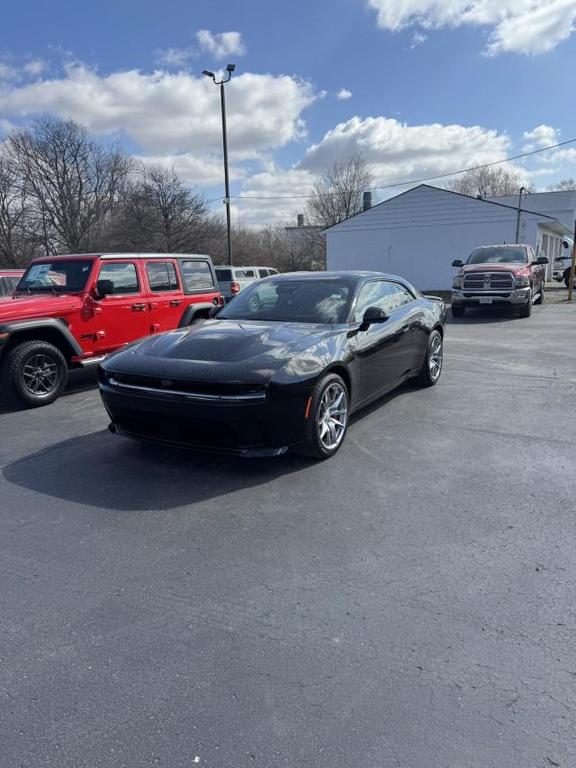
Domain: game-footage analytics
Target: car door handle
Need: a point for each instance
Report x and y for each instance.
(138, 307)
(175, 303)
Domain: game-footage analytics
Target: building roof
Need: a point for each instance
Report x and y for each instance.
(479, 200)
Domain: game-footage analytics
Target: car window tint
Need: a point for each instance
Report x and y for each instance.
(374, 294)
(399, 296)
(162, 276)
(122, 275)
(197, 275)
(223, 274)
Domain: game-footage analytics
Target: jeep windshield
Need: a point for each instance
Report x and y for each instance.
(498, 256)
(57, 276)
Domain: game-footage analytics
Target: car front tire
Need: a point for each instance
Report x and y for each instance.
(35, 372)
(327, 420)
(433, 362)
(540, 299)
(525, 310)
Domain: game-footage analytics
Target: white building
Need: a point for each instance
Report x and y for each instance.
(418, 233)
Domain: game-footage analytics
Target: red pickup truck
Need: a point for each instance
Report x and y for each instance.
(71, 311)
(499, 274)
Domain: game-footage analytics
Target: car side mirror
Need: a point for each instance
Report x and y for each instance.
(541, 260)
(104, 288)
(457, 263)
(373, 315)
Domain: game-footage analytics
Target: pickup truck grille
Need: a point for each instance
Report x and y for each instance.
(488, 281)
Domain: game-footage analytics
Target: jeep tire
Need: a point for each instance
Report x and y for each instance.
(35, 372)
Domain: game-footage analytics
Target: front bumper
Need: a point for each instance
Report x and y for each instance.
(259, 428)
(481, 298)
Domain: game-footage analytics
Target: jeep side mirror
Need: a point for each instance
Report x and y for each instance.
(104, 288)
(373, 315)
(457, 263)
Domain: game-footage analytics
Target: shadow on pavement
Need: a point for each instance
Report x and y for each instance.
(484, 316)
(120, 474)
(81, 380)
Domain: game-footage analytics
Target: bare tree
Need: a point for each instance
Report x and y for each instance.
(338, 192)
(16, 247)
(487, 182)
(565, 185)
(160, 213)
(71, 182)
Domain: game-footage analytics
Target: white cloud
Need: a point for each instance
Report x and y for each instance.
(170, 113)
(222, 44)
(8, 72)
(175, 58)
(417, 39)
(396, 151)
(279, 189)
(541, 136)
(344, 94)
(34, 67)
(205, 171)
(518, 26)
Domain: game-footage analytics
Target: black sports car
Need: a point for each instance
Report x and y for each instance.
(282, 365)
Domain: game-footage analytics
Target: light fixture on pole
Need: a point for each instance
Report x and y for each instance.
(229, 69)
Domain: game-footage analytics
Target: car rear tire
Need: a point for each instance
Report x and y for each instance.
(432, 367)
(35, 372)
(327, 420)
(458, 311)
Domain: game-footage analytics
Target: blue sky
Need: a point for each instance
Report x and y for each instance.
(432, 85)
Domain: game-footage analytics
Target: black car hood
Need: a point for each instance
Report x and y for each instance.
(220, 349)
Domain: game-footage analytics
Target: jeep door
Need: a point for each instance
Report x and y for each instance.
(122, 314)
(165, 294)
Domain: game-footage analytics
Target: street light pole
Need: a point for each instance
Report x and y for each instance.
(230, 69)
(522, 189)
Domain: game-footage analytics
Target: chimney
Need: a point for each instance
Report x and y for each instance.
(300, 219)
(366, 201)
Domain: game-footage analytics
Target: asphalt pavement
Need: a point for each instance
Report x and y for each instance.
(410, 603)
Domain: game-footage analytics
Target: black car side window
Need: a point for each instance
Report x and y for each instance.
(399, 296)
(373, 294)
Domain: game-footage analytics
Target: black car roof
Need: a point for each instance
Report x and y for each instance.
(347, 274)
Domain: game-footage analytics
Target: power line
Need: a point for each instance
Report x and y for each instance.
(406, 183)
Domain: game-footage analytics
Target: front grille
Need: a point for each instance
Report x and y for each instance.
(210, 390)
(488, 281)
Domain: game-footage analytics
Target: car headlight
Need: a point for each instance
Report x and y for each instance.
(522, 281)
(457, 282)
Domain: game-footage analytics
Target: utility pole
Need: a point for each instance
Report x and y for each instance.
(522, 189)
(572, 267)
(230, 69)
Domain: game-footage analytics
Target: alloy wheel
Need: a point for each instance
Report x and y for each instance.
(332, 416)
(40, 375)
(436, 357)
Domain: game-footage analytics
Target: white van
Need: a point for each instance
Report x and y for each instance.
(563, 262)
(232, 280)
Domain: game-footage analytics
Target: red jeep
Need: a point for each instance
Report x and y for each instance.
(8, 281)
(71, 311)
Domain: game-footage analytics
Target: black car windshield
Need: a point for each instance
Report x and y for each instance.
(498, 256)
(57, 276)
(321, 301)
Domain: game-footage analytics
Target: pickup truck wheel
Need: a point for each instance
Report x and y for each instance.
(525, 310)
(458, 311)
(540, 299)
(36, 372)
(433, 361)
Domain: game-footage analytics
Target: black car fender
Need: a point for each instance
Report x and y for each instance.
(57, 329)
